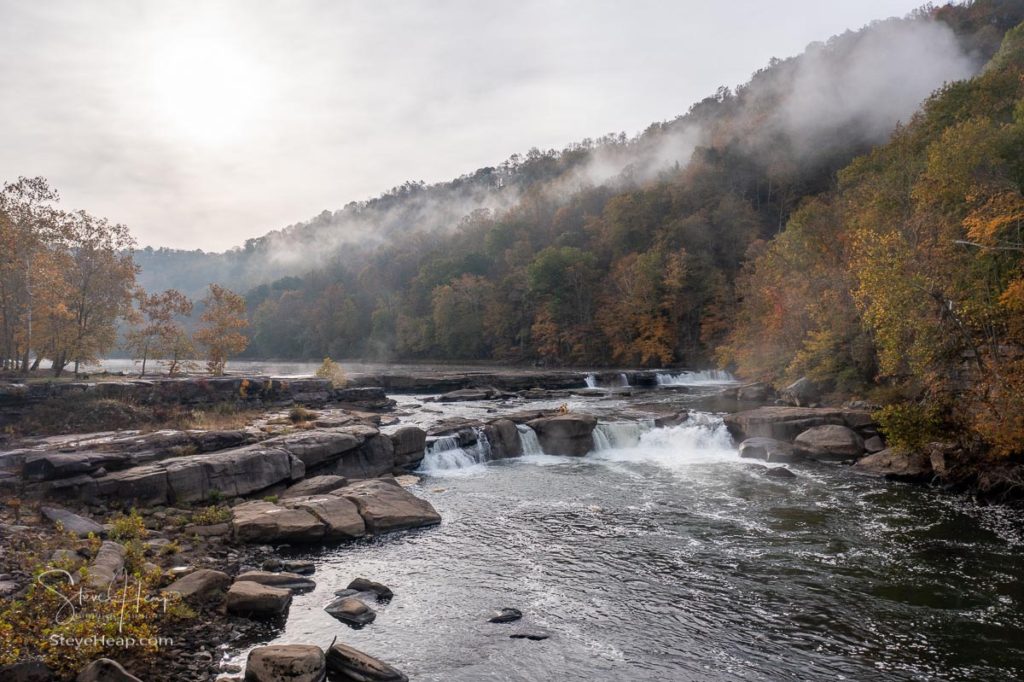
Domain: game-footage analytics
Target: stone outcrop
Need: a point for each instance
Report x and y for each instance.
(315, 485)
(286, 663)
(282, 579)
(830, 443)
(339, 515)
(768, 449)
(252, 600)
(896, 465)
(265, 522)
(503, 437)
(801, 393)
(201, 585)
(786, 423)
(351, 665)
(73, 523)
(567, 434)
(409, 444)
(385, 506)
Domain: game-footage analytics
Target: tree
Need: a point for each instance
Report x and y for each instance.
(223, 320)
(158, 331)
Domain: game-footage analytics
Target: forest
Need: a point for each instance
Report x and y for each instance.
(812, 222)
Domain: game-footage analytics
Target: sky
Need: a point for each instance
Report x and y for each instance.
(202, 124)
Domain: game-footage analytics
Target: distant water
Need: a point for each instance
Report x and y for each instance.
(663, 556)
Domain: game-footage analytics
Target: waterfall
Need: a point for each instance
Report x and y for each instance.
(528, 439)
(591, 380)
(609, 435)
(445, 454)
(622, 381)
(708, 377)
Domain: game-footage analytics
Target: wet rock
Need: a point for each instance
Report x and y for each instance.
(73, 523)
(506, 615)
(105, 670)
(503, 438)
(202, 585)
(768, 449)
(565, 434)
(315, 485)
(779, 472)
(382, 591)
(253, 600)
(286, 663)
(832, 443)
(339, 515)
(284, 580)
(266, 523)
(352, 665)
(26, 671)
(299, 566)
(896, 465)
(106, 567)
(351, 611)
(409, 445)
(533, 635)
(385, 506)
(669, 420)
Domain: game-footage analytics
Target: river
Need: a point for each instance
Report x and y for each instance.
(663, 556)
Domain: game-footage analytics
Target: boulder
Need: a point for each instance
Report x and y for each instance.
(385, 506)
(200, 585)
(286, 663)
(375, 457)
(286, 581)
(779, 472)
(339, 515)
(105, 670)
(319, 447)
(786, 423)
(832, 443)
(409, 444)
(264, 522)
(252, 600)
(73, 523)
(896, 465)
(107, 567)
(382, 591)
(315, 485)
(503, 437)
(26, 671)
(352, 665)
(505, 615)
(351, 611)
(874, 444)
(669, 420)
(768, 449)
(802, 393)
(565, 434)
(753, 392)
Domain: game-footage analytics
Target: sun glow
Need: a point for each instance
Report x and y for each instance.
(205, 90)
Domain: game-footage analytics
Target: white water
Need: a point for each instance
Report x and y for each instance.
(703, 378)
(444, 455)
(608, 435)
(620, 380)
(703, 438)
(591, 380)
(529, 441)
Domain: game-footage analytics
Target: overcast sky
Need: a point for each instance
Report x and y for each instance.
(200, 124)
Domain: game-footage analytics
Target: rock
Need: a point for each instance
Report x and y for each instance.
(351, 611)
(768, 449)
(47, 466)
(830, 443)
(352, 665)
(319, 447)
(73, 523)
(786, 423)
(266, 523)
(383, 592)
(669, 420)
(286, 581)
(896, 465)
(874, 444)
(753, 392)
(107, 567)
(298, 566)
(26, 671)
(315, 485)
(375, 457)
(506, 615)
(385, 506)
(105, 670)
(532, 635)
(8, 588)
(942, 456)
(252, 600)
(565, 434)
(201, 585)
(802, 393)
(339, 515)
(779, 472)
(503, 437)
(65, 558)
(286, 663)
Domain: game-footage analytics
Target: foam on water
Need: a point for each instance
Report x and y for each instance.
(703, 438)
(445, 457)
(708, 377)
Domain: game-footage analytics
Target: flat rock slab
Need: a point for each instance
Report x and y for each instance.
(351, 611)
(786, 423)
(315, 485)
(201, 585)
(896, 465)
(385, 506)
(266, 523)
(339, 515)
(286, 663)
(73, 523)
(352, 665)
(252, 600)
(107, 567)
(284, 580)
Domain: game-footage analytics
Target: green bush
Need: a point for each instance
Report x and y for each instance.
(130, 526)
(909, 426)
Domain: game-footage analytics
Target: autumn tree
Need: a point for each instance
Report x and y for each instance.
(223, 319)
(158, 331)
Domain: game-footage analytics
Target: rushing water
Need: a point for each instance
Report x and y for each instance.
(663, 556)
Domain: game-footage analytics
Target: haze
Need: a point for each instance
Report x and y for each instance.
(202, 124)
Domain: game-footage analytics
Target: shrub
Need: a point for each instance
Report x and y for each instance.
(212, 515)
(333, 371)
(299, 414)
(909, 426)
(130, 526)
